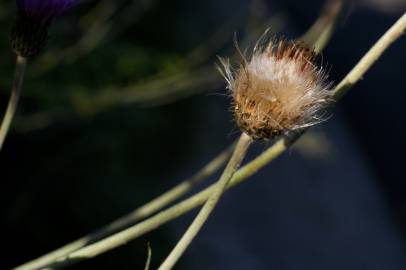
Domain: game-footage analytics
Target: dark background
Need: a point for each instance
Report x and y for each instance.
(126, 102)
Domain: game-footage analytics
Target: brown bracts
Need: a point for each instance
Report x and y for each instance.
(279, 88)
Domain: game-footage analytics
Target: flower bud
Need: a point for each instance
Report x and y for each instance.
(30, 31)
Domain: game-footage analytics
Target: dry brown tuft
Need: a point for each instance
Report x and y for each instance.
(278, 89)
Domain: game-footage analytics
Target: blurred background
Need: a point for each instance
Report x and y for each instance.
(126, 102)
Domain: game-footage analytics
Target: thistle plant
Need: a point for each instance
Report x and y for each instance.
(278, 93)
(278, 90)
(28, 38)
(243, 174)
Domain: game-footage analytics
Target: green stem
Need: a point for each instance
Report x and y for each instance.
(21, 65)
(179, 190)
(241, 175)
(321, 31)
(138, 214)
(167, 215)
(218, 190)
(149, 257)
(371, 57)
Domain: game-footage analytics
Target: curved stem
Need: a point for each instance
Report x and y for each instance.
(21, 65)
(370, 58)
(167, 215)
(149, 257)
(322, 29)
(241, 175)
(178, 191)
(218, 190)
(138, 214)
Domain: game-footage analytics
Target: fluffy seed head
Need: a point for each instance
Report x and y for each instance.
(278, 89)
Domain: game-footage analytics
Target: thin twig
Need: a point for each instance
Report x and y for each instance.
(218, 190)
(167, 215)
(321, 31)
(370, 58)
(21, 65)
(138, 214)
(148, 262)
(80, 243)
(241, 175)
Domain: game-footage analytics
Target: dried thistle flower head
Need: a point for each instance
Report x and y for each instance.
(278, 89)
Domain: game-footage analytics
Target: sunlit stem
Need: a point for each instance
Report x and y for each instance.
(277, 149)
(210, 204)
(21, 65)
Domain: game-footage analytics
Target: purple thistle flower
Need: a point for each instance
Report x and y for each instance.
(30, 31)
(43, 11)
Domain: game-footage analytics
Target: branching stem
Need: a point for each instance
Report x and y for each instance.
(241, 175)
(138, 214)
(210, 204)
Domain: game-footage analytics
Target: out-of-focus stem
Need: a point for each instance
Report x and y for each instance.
(21, 65)
(321, 31)
(77, 249)
(210, 204)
